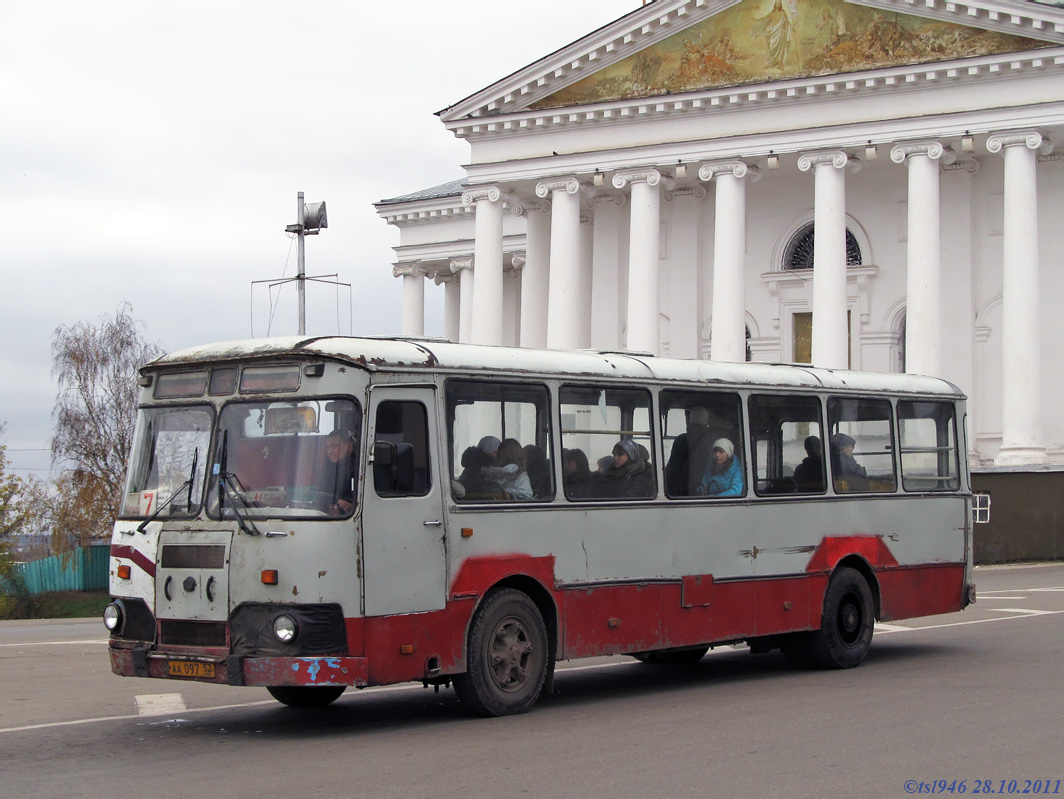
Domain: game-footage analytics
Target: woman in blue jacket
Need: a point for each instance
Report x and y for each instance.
(724, 476)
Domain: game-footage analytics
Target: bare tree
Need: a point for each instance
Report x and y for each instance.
(12, 512)
(96, 367)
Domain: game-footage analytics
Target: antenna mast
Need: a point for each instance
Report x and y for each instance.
(311, 220)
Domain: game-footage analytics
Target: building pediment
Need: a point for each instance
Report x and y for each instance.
(671, 47)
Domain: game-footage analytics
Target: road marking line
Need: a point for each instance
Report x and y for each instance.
(986, 598)
(159, 704)
(56, 643)
(1025, 611)
(974, 621)
(882, 627)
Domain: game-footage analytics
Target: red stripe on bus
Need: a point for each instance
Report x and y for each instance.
(128, 552)
(833, 549)
(910, 591)
(636, 617)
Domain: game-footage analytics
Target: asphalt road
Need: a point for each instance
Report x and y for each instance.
(975, 696)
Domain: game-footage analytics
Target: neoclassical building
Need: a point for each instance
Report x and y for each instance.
(866, 184)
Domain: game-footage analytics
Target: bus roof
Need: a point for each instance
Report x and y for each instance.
(405, 353)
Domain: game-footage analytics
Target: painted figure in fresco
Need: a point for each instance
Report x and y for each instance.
(779, 36)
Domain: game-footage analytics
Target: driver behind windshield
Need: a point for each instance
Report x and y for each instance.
(338, 472)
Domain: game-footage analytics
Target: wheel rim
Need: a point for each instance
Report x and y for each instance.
(511, 654)
(850, 619)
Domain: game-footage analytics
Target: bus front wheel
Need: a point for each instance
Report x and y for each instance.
(846, 624)
(508, 658)
(306, 695)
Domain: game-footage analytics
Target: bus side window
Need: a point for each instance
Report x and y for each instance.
(861, 445)
(400, 450)
(928, 446)
(692, 423)
(500, 441)
(600, 423)
(788, 445)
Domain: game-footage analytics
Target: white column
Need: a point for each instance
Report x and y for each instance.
(563, 296)
(511, 293)
(1021, 379)
(452, 320)
(729, 258)
(412, 320)
(487, 254)
(923, 305)
(682, 285)
(609, 268)
(535, 273)
(587, 254)
(644, 250)
(463, 268)
(830, 330)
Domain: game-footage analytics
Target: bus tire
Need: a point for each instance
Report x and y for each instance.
(508, 656)
(306, 695)
(846, 624)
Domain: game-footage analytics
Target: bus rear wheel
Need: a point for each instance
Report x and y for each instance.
(306, 695)
(508, 656)
(846, 624)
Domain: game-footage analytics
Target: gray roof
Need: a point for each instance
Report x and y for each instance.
(452, 189)
(391, 353)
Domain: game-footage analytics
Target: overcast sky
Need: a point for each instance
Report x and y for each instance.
(150, 153)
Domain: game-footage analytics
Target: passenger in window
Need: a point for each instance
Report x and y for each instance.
(489, 445)
(809, 474)
(538, 470)
(628, 477)
(846, 469)
(508, 475)
(474, 462)
(338, 474)
(577, 474)
(724, 475)
(690, 455)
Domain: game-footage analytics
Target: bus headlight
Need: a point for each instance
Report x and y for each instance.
(284, 627)
(113, 616)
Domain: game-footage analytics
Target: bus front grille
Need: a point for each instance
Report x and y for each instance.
(192, 633)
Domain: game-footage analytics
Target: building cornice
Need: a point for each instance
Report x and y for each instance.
(778, 93)
(945, 127)
(1016, 19)
(660, 19)
(609, 44)
(421, 211)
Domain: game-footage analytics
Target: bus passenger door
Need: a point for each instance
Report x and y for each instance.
(403, 559)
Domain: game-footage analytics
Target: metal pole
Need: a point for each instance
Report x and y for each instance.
(301, 278)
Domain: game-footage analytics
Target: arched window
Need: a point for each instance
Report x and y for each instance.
(799, 252)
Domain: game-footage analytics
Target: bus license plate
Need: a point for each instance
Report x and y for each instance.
(190, 668)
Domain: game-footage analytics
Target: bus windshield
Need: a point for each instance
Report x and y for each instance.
(285, 459)
(168, 462)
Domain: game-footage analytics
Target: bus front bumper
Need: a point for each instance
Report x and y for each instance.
(236, 670)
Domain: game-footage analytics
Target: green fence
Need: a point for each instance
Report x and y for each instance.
(82, 570)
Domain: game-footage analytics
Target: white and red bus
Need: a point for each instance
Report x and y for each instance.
(315, 513)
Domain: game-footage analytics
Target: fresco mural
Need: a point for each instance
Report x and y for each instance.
(765, 40)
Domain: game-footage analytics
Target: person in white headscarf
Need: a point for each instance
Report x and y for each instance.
(724, 475)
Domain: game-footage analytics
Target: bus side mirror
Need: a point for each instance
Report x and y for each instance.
(384, 466)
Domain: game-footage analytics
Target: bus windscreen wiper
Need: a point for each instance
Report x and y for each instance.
(189, 484)
(224, 490)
